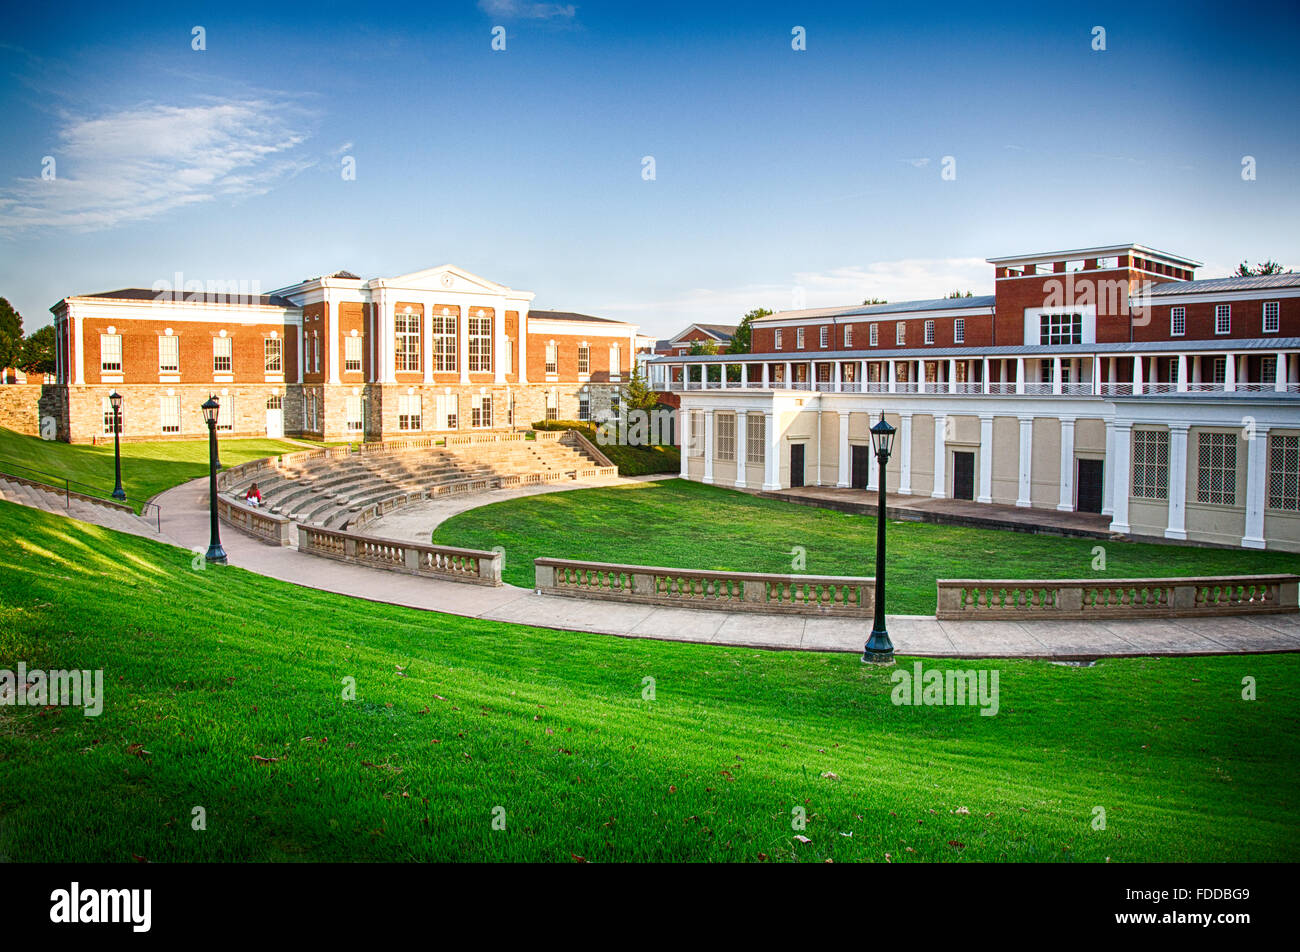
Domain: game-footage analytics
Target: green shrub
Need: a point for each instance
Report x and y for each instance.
(630, 460)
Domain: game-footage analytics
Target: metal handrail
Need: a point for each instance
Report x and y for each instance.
(53, 481)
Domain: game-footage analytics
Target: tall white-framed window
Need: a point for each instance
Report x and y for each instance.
(407, 330)
(873, 335)
(510, 409)
(584, 406)
(448, 411)
(409, 411)
(1216, 469)
(848, 336)
(1151, 464)
(444, 341)
(317, 350)
(226, 413)
(110, 353)
(725, 425)
(696, 446)
(1177, 321)
(823, 336)
(1267, 369)
(552, 404)
(552, 357)
(1223, 318)
(271, 355)
(109, 417)
(480, 343)
(755, 438)
(615, 360)
(222, 350)
(798, 338)
(777, 343)
(169, 406)
(1284, 472)
(929, 332)
(352, 353)
(959, 331)
(584, 358)
(481, 411)
(1060, 329)
(1220, 370)
(1272, 316)
(169, 355)
(900, 333)
(352, 406)
(616, 404)
(507, 357)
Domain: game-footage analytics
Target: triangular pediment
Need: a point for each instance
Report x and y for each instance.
(447, 277)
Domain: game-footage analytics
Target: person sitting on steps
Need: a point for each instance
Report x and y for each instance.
(254, 496)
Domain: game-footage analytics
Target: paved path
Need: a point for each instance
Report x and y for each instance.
(185, 523)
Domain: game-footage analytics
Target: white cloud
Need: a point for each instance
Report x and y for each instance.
(908, 279)
(522, 10)
(140, 163)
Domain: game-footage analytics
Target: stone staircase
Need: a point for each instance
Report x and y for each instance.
(50, 499)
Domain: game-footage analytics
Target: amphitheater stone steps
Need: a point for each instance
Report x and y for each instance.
(53, 500)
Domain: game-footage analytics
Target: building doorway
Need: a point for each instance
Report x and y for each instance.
(1090, 485)
(963, 476)
(275, 417)
(861, 475)
(796, 465)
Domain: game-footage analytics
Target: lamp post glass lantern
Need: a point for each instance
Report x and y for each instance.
(215, 552)
(879, 649)
(115, 401)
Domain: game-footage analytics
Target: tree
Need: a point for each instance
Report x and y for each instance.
(874, 301)
(37, 356)
(639, 395)
(1264, 267)
(959, 294)
(743, 339)
(11, 335)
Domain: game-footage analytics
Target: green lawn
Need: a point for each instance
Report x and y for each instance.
(207, 671)
(147, 468)
(690, 525)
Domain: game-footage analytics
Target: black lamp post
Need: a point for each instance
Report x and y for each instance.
(215, 552)
(115, 401)
(879, 649)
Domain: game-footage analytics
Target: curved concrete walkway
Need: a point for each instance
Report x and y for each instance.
(185, 523)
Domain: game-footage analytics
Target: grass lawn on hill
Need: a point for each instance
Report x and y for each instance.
(223, 691)
(683, 524)
(147, 468)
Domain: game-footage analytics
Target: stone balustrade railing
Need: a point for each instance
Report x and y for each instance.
(1041, 599)
(412, 558)
(701, 588)
(262, 525)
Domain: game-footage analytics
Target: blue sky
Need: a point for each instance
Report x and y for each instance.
(778, 173)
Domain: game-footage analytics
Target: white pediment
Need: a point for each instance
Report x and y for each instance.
(446, 277)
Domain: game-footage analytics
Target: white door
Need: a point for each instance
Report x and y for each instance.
(274, 418)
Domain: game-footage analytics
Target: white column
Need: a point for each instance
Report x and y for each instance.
(984, 376)
(462, 343)
(1067, 467)
(1120, 476)
(1096, 376)
(1182, 373)
(332, 340)
(1230, 372)
(986, 458)
(499, 344)
(708, 446)
(1255, 476)
(771, 452)
(1056, 375)
(77, 335)
(766, 382)
(1026, 461)
(952, 375)
(742, 443)
(873, 471)
(1177, 522)
(905, 455)
(893, 379)
(426, 342)
(1279, 373)
(1108, 465)
(683, 438)
(843, 481)
(940, 488)
(521, 344)
(388, 334)
(1020, 375)
(302, 352)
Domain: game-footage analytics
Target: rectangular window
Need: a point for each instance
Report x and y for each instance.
(552, 358)
(1060, 329)
(929, 332)
(508, 357)
(552, 405)
(109, 417)
(271, 355)
(169, 355)
(110, 353)
(755, 438)
(848, 336)
(170, 410)
(1151, 464)
(874, 335)
(481, 412)
(726, 435)
(1223, 318)
(352, 353)
(221, 355)
(353, 408)
(409, 411)
(319, 350)
(584, 406)
(798, 338)
(615, 404)
(959, 331)
(1177, 321)
(900, 334)
(778, 339)
(1284, 472)
(480, 344)
(226, 413)
(448, 411)
(1267, 369)
(823, 336)
(615, 360)
(1220, 369)
(444, 341)
(407, 330)
(584, 359)
(1272, 317)
(1216, 469)
(697, 433)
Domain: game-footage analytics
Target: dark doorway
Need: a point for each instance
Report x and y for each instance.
(796, 465)
(963, 476)
(861, 467)
(1090, 485)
